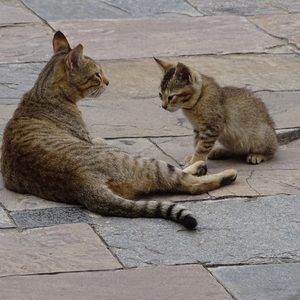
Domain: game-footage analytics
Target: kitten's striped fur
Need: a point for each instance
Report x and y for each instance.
(47, 150)
(233, 116)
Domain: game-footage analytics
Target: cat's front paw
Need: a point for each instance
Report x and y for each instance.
(99, 141)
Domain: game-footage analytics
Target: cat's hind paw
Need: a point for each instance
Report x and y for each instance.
(198, 168)
(228, 177)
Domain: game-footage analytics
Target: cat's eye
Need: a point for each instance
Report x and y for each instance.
(160, 95)
(98, 75)
(170, 97)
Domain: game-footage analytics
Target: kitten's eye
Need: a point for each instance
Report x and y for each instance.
(98, 75)
(170, 97)
(160, 95)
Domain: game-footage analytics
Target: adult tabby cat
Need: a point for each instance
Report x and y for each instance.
(47, 150)
(233, 116)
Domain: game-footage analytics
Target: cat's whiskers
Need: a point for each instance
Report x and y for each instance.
(96, 93)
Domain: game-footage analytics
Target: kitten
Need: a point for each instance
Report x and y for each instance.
(47, 150)
(233, 116)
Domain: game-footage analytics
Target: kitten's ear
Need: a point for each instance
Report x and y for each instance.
(74, 57)
(60, 43)
(164, 65)
(183, 73)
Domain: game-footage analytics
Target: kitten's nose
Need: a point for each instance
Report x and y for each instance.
(165, 106)
(106, 82)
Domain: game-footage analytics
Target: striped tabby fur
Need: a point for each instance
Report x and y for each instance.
(233, 116)
(47, 150)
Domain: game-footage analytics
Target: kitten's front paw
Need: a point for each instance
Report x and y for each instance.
(99, 141)
(220, 153)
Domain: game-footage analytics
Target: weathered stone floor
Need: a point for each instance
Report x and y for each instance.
(247, 243)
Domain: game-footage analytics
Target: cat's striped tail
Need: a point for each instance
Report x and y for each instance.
(114, 205)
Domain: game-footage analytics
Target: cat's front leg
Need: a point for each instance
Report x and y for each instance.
(203, 144)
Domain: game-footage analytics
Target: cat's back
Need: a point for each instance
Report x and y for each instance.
(242, 104)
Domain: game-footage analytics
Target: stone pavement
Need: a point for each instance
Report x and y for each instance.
(247, 244)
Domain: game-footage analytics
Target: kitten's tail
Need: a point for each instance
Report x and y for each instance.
(285, 136)
(114, 205)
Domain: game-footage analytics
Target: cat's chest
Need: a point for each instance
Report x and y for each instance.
(193, 119)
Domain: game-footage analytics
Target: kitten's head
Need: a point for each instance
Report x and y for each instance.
(180, 86)
(78, 76)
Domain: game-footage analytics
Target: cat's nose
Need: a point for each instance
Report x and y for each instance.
(107, 82)
(165, 106)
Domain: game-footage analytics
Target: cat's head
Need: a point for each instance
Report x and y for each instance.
(77, 75)
(180, 86)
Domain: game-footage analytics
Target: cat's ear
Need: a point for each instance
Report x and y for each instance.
(74, 58)
(60, 43)
(183, 73)
(164, 65)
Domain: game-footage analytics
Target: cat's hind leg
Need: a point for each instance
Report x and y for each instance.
(199, 185)
(198, 168)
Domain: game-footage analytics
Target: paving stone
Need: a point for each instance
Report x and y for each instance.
(17, 79)
(5, 221)
(265, 282)
(242, 7)
(257, 72)
(179, 282)
(283, 26)
(14, 11)
(137, 38)
(14, 201)
(75, 10)
(142, 147)
(135, 97)
(127, 118)
(62, 248)
(232, 231)
(155, 8)
(25, 43)
(276, 176)
(33, 218)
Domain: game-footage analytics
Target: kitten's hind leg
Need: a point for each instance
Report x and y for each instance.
(220, 153)
(198, 168)
(255, 159)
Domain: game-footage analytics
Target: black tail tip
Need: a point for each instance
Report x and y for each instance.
(189, 222)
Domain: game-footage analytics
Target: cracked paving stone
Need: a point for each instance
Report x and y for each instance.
(241, 7)
(156, 8)
(190, 282)
(230, 231)
(76, 10)
(32, 218)
(5, 221)
(55, 249)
